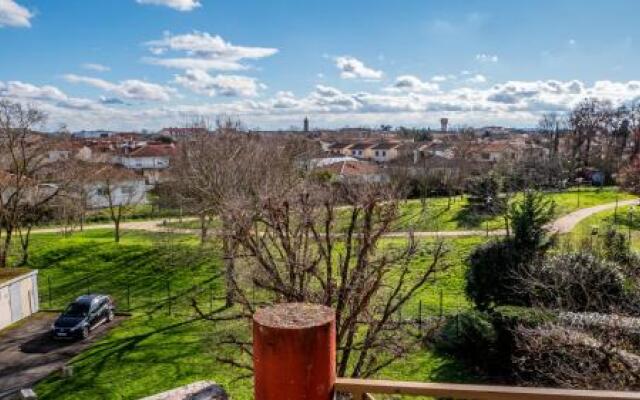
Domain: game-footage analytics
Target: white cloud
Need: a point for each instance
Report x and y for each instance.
(410, 83)
(477, 78)
(352, 68)
(441, 78)
(511, 103)
(21, 90)
(201, 82)
(180, 5)
(196, 63)
(129, 89)
(15, 15)
(203, 51)
(96, 67)
(487, 58)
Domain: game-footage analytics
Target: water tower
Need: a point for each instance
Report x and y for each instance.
(444, 123)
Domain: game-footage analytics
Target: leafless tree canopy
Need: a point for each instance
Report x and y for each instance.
(322, 243)
(23, 166)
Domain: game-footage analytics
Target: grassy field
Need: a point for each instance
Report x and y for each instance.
(590, 229)
(444, 214)
(164, 344)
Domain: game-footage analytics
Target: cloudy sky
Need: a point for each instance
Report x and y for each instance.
(134, 64)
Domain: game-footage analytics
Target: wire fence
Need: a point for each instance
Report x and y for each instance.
(180, 296)
(158, 294)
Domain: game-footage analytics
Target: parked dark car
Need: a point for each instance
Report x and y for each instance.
(81, 316)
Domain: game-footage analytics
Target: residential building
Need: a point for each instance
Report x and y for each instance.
(149, 160)
(385, 151)
(355, 171)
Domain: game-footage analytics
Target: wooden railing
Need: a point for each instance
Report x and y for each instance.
(294, 354)
(362, 389)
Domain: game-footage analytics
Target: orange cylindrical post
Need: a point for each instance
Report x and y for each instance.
(294, 352)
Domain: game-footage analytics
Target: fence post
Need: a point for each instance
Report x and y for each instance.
(210, 297)
(128, 296)
(169, 295)
(49, 287)
(294, 352)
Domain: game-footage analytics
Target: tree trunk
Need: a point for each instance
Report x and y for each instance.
(228, 250)
(24, 243)
(203, 228)
(4, 251)
(117, 230)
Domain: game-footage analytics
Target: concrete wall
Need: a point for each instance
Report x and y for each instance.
(18, 298)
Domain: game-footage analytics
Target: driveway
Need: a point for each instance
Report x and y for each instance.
(28, 354)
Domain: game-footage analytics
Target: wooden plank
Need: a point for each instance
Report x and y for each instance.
(476, 392)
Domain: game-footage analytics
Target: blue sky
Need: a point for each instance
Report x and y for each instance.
(133, 64)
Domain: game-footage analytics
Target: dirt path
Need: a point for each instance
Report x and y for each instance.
(568, 222)
(564, 224)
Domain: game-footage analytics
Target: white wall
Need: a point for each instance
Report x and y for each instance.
(18, 298)
(145, 162)
(125, 193)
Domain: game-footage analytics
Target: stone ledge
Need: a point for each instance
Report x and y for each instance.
(202, 390)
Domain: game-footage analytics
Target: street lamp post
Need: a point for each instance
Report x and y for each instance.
(579, 181)
(615, 211)
(630, 224)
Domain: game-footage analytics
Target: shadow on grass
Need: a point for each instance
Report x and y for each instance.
(469, 217)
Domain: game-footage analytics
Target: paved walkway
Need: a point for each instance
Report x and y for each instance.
(564, 224)
(568, 222)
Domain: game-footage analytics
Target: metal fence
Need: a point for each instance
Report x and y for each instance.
(144, 294)
(176, 296)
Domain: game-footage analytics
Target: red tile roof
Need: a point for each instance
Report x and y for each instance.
(154, 150)
(352, 168)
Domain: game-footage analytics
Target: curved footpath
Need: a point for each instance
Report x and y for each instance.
(564, 224)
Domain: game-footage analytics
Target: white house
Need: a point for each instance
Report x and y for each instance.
(385, 151)
(149, 160)
(128, 192)
(153, 156)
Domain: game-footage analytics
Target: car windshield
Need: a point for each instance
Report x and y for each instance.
(76, 310)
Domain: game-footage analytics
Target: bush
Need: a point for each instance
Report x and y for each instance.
(579, 282)
(484, 194)
(556, 356)
(629, 177)
(486, 341)
(529, 218)
(470, 337)
(492, 276)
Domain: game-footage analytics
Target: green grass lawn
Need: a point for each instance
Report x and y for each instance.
(161, 347)
(444, 214)
(590, 229)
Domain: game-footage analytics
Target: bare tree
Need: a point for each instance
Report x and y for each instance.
(23, 156)
(120, 190)
(588, 119)
(213, 171)
(550, 125)
(322, 243)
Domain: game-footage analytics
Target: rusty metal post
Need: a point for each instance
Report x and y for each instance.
(294, 352)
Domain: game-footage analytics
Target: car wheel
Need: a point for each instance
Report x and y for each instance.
(85, 332)
(110, 316)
